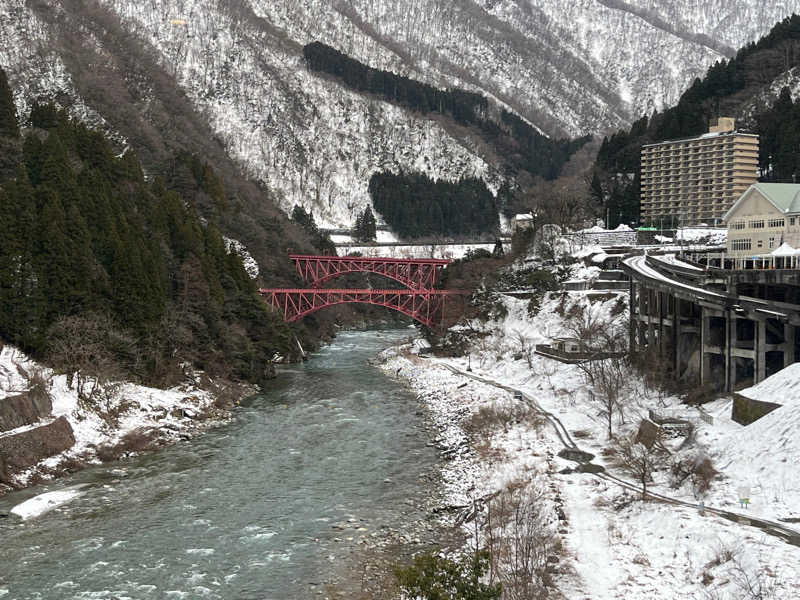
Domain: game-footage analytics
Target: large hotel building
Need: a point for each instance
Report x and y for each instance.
(697, 180)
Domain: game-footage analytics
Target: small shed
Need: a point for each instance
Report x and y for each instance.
(567, 345)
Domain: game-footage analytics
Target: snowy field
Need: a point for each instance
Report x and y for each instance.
(615, 545)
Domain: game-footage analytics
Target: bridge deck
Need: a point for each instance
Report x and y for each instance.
(362, 259)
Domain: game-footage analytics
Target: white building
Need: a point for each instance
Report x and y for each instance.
(763, 219)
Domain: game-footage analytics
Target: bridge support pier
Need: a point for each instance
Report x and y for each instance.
(760, 352)
(730, 359)
(789, 335)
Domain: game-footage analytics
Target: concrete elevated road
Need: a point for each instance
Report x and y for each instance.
(713, 328)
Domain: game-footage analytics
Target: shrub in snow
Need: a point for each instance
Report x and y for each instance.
(433, 577)
(638, 459)
(696, 468)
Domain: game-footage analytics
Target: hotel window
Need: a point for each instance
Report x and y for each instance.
(776, 223)
(772, 242)
(738, 225)
(757, 224)
(791, 221)
(741, 245)
(760, 243)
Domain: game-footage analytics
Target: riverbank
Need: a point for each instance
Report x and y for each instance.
(497, 460)
(51, 431)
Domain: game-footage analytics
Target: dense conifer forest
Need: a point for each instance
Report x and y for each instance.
(724, 91)
(416, 206)
(93, 253)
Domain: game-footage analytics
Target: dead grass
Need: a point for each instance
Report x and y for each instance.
(490, 419)
(138, 440)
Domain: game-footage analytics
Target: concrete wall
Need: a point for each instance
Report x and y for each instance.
(21, 446)
(746, 410)
(25, 449)
(25, 409)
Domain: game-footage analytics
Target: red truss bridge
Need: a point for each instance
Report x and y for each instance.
(426, 306)
(414, 273)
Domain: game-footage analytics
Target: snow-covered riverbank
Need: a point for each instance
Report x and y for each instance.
(612, 544)
(124, 418)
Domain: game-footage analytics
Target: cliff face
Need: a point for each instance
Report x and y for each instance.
(567, 67)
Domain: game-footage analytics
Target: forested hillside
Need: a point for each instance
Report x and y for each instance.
(730, 88)
(416, 206)
(516, 143)
(101, 269)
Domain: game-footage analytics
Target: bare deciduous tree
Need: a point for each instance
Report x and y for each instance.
(91, 351)
(608, 379)
(520, 538)
(639, 459)
(524, 345)
(608, 382)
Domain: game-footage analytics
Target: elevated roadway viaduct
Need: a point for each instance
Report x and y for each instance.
(726, 329)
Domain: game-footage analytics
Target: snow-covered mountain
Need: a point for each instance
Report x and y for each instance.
(568, 67)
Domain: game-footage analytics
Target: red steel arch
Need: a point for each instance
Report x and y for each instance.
(414, 273)
(428, 307)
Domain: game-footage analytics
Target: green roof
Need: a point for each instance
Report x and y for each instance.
(785, 196)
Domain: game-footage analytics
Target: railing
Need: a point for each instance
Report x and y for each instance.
(549, 351)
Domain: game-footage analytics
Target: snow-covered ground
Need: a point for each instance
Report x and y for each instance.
(615, 545)
(124, 409)
(381, 236)
(447, 251)
(44, 503)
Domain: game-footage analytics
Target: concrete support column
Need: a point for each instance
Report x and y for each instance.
(730, 359)
(705, 360)
(633, 322)
(651, 313)
(676, 336)
(662, 297)
(761, 351)
(788, 345)
(642, 295)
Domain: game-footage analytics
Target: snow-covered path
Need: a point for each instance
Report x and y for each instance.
(788, 534)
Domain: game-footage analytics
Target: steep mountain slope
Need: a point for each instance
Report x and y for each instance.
(568, 67)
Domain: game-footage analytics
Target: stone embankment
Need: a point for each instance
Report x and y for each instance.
(29, 433)
(48, 429)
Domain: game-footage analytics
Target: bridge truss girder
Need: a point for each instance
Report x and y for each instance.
(426, 306)
(416, 274)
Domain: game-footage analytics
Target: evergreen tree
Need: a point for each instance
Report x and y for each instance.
(321, 241)
(365, 229)
(357, 227)
(498, 251)
(369, 225)
(416, 206)
(9, 126)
